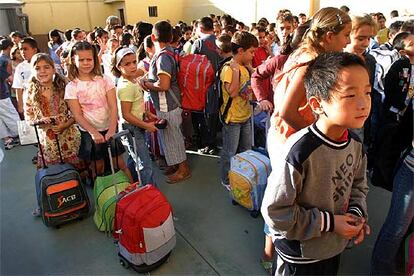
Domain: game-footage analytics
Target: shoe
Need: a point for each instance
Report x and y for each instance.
(267, 265)
(181, 174)
(170, 170)
(227, 186)
(11, 143)
(37, 212)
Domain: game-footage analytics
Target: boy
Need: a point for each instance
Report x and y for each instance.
(399, 81)
(316, 206)
(8, 114)
(284, 29)
(205, 123)
(263, 51)
(236, 110)
(166, 96)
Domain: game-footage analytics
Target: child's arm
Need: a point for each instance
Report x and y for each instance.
(295, 95)
(130, 118)
(113, 113)
(163, 84)
(232, 80)
(76, 110)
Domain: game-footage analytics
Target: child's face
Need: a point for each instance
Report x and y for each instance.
(261, 37)
(128, 66)
(44, 72)
(150, 51)
(187, 35)
(339, 41)
(113, 44)
(84, 61)
(27, 51)
(350, 103)
(18, 56)
(360, 39)
(409, 46)
(247, 55)
(284, 29)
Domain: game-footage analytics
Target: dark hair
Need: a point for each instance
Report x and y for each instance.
(322, 74)
(395, 27)
(225, 43)
(141, 30)
(244, 40)
(299, 34)
(408, 26)
(75, 33)
(285, 17)
(301, 14)
(73, 71)
(259, 29)
(399, 40)
(295, 19)
(176, 34)
(68, 34)
(99, 32)
(163, 31)
(206, 23)
(226, 20)
(241, 24)
(186, 29)
(129, 27)
(54, 33)
(344, 8)
(229, 28)
(31, 42)
(394, 13)
(126, 39)
(263, 21)
(18, 34)
(116, 27)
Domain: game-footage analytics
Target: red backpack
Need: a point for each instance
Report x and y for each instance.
(195, 76)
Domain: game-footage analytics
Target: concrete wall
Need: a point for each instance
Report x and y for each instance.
(45, 15)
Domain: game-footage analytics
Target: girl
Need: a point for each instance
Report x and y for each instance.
(92, 101)
(132, 112)
(16, 58)
(44, 102)
(329, 31)
(127, 40)
(54, 43)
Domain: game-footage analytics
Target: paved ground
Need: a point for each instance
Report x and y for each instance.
(213, 236)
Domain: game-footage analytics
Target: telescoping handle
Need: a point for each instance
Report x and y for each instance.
(42, 122)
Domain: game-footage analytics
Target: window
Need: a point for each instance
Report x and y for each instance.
(153, 11)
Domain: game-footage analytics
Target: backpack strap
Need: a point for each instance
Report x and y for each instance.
(175, 57)
(230, 100)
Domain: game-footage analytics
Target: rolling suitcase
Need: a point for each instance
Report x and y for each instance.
(248, 174)
(105, 192)
(60, 193)
(144, 227)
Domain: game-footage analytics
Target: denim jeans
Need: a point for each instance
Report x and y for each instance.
(143, 153)
(385, 259)
(237, 137)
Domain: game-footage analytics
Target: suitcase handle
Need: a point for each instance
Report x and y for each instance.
(42, 122)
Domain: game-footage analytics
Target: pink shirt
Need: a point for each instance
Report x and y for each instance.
(92, 99)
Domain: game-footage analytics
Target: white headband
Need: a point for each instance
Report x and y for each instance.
(121, 54)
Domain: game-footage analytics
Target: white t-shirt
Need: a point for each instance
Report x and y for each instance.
(22, 75)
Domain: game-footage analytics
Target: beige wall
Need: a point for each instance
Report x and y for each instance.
(45, 15)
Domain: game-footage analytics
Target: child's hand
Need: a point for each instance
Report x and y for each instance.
(151, 116)
(58, 128)
(366, 230)
(266, 105)
(98, 138)
(151, 127)
(109, 135)
(346, 226)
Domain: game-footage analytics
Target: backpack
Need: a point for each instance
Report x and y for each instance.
(195, 76)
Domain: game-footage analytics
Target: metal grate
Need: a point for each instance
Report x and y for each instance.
(153, 11)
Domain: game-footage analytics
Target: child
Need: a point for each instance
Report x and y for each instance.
(398, 86)
(55, 40)
(92, 101)
(263, 50)
(314, 206)
(132, 107)
(236, 110)
(16, 58)
(329, 32)
(8, 114)
(284, 29)
(165, 94)
(44, 103)
(28, 48)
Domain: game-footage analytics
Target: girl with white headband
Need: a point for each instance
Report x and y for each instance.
(132, 111)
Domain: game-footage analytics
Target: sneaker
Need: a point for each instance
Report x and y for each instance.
(227, 186)
(11, 143)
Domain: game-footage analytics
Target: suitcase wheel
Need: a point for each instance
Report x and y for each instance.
(123, 263)
(234, 202)
(254, 214)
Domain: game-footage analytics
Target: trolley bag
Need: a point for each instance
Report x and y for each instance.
(105, 192)
(144, 227)
(60, 193)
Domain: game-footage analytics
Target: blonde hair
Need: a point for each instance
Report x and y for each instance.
(59, 82)
(364, 20)
(325, 20)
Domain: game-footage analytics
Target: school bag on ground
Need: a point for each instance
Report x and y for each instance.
(144, 227)
(60, 193)
(105, 192)
(195, 76)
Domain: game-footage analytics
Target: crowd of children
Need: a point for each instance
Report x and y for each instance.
(329, 85)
